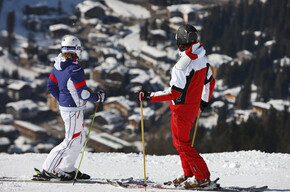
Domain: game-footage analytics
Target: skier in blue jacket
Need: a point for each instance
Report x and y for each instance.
(68, 85)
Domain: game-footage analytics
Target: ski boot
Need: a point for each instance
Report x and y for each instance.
(43, 175)
(67, 176)
(192, 183)
(180, 180)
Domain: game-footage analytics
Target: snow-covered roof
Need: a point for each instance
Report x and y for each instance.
(7, 128)
(128, 10)
(111, 65)
(60, 26)
(6, 118)
(30, 126)
(135, 117)
(261, 105)
(111, 116)
(92, 84)
(4, 141)
(17, 85)
(122, 101)
(176, 20)
(216, 60)
(233, 91)
(184, 8)
(109, 140)
(98, 36)
(88, 5)
(153, 51)
(285, 61)
(147, 112)
(23, 104)
(279, 104)
(269, 43)
(140, 76)
(158, 32)
(217, 104)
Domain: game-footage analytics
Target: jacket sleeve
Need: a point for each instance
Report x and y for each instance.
(78, 79)
(208, 87)
(166, 95)
(52, 86)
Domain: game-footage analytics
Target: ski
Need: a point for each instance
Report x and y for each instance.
(152, 185)
(159, 186)
(53, 180)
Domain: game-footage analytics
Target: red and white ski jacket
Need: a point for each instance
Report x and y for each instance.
(191, 79)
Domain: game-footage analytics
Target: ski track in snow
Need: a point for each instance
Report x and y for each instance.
(244, 169)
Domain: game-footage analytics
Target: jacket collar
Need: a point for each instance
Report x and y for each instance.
(195, 51)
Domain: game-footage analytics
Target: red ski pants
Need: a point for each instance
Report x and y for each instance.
(182, 120)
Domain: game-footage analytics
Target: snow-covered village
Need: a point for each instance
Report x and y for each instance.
(127, 45)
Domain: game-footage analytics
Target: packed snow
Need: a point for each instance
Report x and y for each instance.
(243, 168)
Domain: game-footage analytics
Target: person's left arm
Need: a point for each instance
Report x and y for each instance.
(78, 79)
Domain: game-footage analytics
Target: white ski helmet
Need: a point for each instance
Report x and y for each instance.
(71, 44)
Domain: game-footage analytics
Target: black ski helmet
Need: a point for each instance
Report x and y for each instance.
(186, 34)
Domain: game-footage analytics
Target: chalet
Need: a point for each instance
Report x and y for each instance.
(6, 118)
(231, 94)
(100, 39)
(109, 120)
(244, 55)
(217, 105)
(110, 73)
(19, 90)
(8, 131)
(152, 55)
(121, 104)
(30, 130)
(91, 9)
(279, 105)
(148, 119)
(104, 142)
(59, 30)
(216, 61)
(4, 99)
(158, 35)
(4, 144)
(139, 78)
(135, 122)
(261, 107)
(23, 109)
(188, 12)
(54, 49)
(242, 115)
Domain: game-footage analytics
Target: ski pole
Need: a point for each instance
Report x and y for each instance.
(86, 143)
(193, 138)
(142, 128)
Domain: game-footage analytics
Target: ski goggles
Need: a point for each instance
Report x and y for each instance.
(69, 48)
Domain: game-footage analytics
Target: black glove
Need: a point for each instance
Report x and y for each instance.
(143, 95)
(203, 105)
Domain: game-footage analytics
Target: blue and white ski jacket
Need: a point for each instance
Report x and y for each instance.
(68, 85)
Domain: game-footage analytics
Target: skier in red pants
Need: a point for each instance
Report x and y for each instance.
(191, 87)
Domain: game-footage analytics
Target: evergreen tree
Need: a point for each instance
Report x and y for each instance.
(243, 99)
(10, 23)
(10, 29)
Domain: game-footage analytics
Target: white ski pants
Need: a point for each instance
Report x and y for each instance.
(62, 158)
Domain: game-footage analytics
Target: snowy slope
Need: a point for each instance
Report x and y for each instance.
(244, 168)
